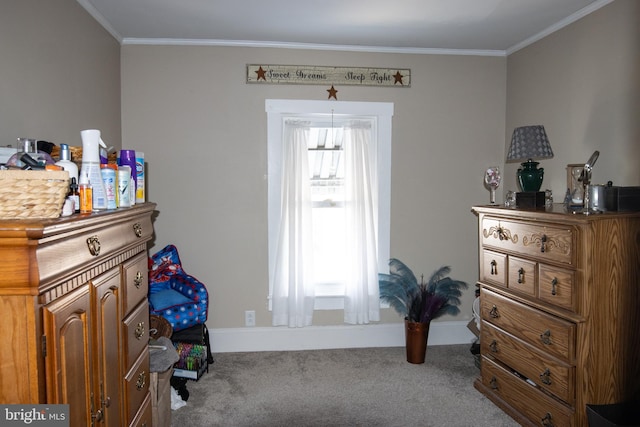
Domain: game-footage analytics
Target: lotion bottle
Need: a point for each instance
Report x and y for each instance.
(66, 163)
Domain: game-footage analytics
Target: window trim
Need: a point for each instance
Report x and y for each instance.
(277, 110)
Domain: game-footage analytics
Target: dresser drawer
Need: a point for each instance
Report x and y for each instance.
(543, 241)
(556, 286)
(493, 268)
(543, 331)
(522, 275)
(538, 407)
(136, 386)
(547, 373)
(144, 417)
(136, 281)
(89, 246)
(136, 334)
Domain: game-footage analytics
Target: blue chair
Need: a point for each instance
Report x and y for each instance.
(173, 294)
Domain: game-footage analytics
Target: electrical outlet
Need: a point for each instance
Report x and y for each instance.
(249, 318)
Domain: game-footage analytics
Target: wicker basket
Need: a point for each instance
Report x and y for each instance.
(32, 194)
(159, 327)
(76, 155)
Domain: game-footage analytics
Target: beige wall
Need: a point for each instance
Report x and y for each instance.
(583, 84)
(59, 73)
(203, 131)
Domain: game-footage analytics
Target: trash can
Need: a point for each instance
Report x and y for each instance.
(618, 414)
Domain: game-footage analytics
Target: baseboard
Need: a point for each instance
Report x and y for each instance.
(232, 340)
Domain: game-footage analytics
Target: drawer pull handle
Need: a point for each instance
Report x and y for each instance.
(493, 383)
(98, 416)
(494, 267)
(93, 243)
(546, 337)
(554, 283)
(543, 241)
(502, 235)
(138, 280)
(142, 380)
(493, 346)
(137, 228)
(545, 377)
(521, 275)
(547, 421)
(139, 332)
(494, 312)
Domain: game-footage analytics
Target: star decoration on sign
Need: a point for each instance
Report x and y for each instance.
(332, 93)
(398, 78)
(261, 74)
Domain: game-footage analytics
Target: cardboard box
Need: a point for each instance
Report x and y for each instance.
(160, 389)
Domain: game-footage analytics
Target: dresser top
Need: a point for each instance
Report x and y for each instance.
(39, 228)
(557, 212)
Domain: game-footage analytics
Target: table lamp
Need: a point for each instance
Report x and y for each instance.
(529, 143)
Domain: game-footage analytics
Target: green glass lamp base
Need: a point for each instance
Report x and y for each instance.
(529, 176)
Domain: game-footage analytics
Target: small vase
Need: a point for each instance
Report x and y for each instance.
(416, 336)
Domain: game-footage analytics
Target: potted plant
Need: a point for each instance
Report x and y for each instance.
(419, 303)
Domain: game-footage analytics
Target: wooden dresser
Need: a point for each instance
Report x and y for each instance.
(560, 308)
(75, 316)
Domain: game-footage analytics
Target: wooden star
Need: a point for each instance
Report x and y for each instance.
(261, 74)
(398, 78)
(332, 93)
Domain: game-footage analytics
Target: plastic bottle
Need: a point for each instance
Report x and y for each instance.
(86, 195)
(110, 181)
(66, 163)
(128, 158)
(140, 196)
(124, 184)
(91, 143)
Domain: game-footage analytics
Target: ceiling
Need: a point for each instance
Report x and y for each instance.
(412, 26)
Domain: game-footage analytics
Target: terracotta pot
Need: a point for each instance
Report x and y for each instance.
(416, 336)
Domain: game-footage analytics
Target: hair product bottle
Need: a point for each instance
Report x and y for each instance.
(86, 195)
(66, 163)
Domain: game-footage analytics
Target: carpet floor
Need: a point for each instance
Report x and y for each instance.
(344, 387)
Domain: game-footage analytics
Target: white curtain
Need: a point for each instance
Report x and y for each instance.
(293, 287)
(361, 302)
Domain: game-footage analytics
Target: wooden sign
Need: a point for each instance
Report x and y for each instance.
(319, 75)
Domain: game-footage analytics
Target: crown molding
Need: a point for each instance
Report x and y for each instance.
(559, 25)
(86, 4)
(311, 46)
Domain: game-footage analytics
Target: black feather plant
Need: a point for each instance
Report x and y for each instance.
(420, 302)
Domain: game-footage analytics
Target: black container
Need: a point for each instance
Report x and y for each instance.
(530, 199)
(622, 199)
(618, 414)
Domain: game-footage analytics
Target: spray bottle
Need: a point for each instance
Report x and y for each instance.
(90, 168)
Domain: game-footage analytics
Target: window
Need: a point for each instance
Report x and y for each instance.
(324, 125)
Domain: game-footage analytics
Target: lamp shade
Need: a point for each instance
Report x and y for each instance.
(529, 142)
